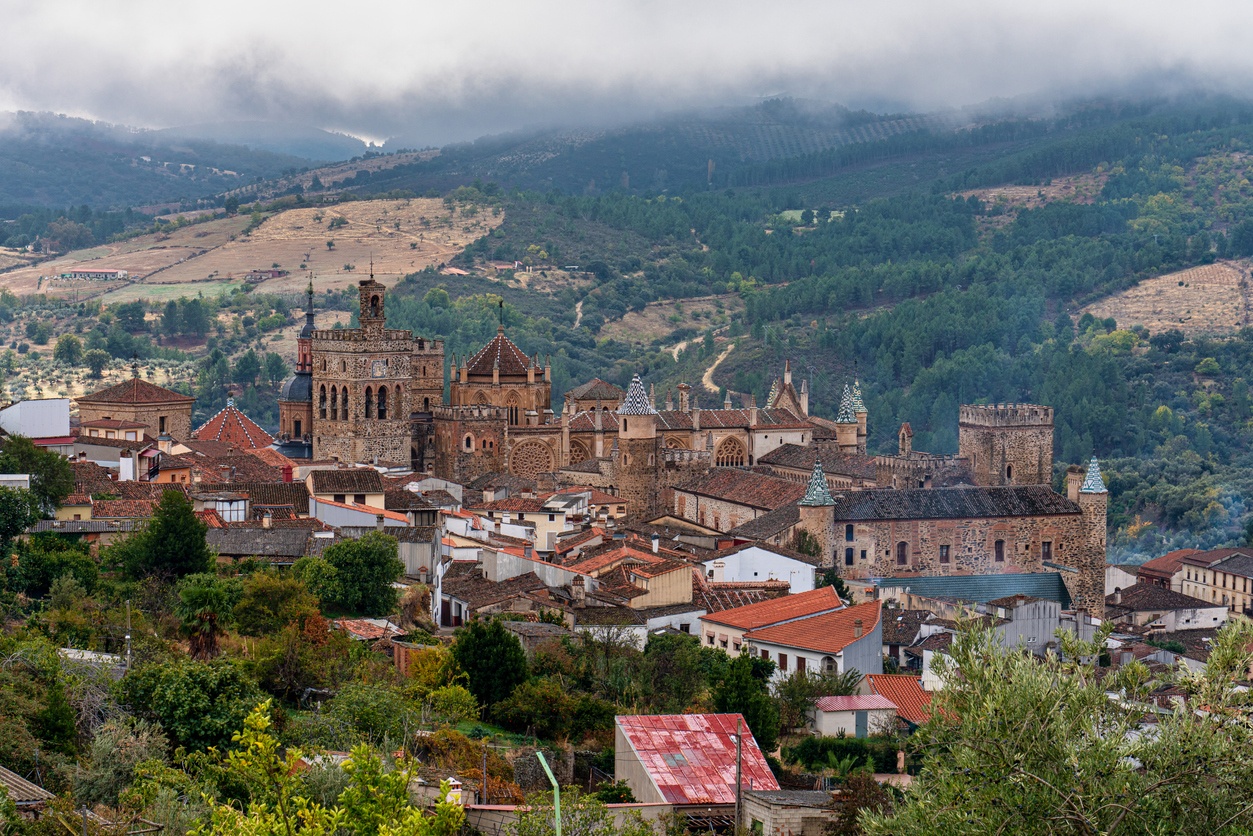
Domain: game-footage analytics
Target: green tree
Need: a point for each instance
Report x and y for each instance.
(131, 316)
(43, 559)
(205, 606)
(198, 704)
(247, 367)
(69, 350)
(195, 318)
(673, 672)
(364, 571)
(116, 749)
(171, 546)
(269, 601)
(492, 658)
(743, 693)
(18, 509)
(1036, 745)
(51, 477)
(96, 359)
(797, 694)
(172, 319)
(275, 368)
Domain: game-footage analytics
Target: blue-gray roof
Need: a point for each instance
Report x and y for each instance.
(979, 589)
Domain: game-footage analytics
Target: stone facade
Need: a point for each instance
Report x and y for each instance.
(1007, 444)
(469, 442)
(161, 411)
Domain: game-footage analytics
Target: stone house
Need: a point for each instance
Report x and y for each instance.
(160, 411)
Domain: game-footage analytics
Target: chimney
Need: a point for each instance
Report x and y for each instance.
(656, 542)
(1117, 596)
(1074, 481)
(267, 520)
(378, 522)
(528, 551)
(578, 592)
(857, 628)
(287, 473)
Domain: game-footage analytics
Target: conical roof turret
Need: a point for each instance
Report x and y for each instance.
(1093, 483)
(817, 494)
(636, 401)
(846, 415)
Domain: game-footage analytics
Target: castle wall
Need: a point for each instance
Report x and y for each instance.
(1007, 444)
(483, 427)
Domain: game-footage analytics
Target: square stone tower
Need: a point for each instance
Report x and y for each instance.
(1007, 444)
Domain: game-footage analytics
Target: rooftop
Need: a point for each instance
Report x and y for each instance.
(499, 353)
(905, 692)
(234, 427)
(779, 610)
(953, 503)
(134, 391)
(690, 758)
(743, 487)
(857, 702)
(828, 632)
(1147, 597)
(979, 589)
(349, 480)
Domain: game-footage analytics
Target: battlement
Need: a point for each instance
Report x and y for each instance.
(473, 412)
(681, 457)
(359, 335)
(1006, 415)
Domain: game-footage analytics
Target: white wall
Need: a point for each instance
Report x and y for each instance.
(833, 723)
(45, 418)
(1119, 577)
(864, 655)
(336, 516)
(759, 564)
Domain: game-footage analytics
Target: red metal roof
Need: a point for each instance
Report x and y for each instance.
(857, 702)
(905, 692)
(777, 610)
(690, 758)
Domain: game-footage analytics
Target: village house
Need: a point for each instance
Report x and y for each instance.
(848, 639)
(1146, 605)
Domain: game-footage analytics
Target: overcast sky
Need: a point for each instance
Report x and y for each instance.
(455, 70)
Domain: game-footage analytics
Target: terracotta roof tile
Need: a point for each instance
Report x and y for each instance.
(778, 610)
(829, 632)
(905, 692)
(1146, 596)
(597, 388)
(1166, 565)
(500, 350)
(272, 494)
(234, 427)
(856, 702)
(134, 391)
(353, 480)
(122, 509)
(744, 487)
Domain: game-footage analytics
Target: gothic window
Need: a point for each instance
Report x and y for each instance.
(902, 553)
(514, 410)
(334, 403)
(578, 452)
(530, 458)
(731, 453)
(322, 401)
(482, 399)
(382, 402)
(469, 442)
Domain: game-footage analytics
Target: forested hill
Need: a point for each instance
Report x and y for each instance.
(931, 298)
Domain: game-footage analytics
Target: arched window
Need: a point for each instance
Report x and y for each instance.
(1009, 473)
(323, 364)
(343, 365)
(382, 402)
(322, 400)
(369, 402)
(374, 305)
(828, 664)
(902, 553)
(731, 453)
(334, 403)
(469, 442)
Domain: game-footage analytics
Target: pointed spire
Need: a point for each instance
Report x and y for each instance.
(818, 493)
(846, 414)
(858, 405)
(1093, 483)
(636, 401)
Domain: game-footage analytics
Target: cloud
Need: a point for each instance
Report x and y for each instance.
(443, 71)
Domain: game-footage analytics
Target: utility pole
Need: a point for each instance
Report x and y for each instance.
(739, 761)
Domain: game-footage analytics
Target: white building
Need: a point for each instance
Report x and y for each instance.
(753, 562)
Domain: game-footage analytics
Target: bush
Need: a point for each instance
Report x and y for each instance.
(817, 753)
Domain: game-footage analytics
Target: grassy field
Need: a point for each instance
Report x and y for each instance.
(162, 292)
(1212, 299)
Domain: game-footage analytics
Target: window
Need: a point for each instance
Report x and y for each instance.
(552, 517)
(334, 404)
(800, 664)
(710, 638)
(358, 498)
(735, 645)
(624, 424)
(322, 400)
(1046, 550)
(902, 553)
(382, 403)
(339, 497)
(1009, 473)
(469, 442)
(765, 654)
(161, 420)
(944, 558)
(848, 557)
(369, 402)
(848, 533)
(296, 428)
(828, 664)
(723, 642)
(999, 549)
(783, 661)
(863, 554)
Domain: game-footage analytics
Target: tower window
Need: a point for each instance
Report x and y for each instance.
(848, 557)
(902, 553)
(374, 306)
(382, 402)
(322, 398)
(296, 428)
(469, 442)
(334, 404)
(848, 533)
(369, 402)
(999, 551)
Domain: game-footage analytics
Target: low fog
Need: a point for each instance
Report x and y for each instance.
(427, 73)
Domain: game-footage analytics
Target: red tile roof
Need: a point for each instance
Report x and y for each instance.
(743, 487)
(857, 702)
(512, 504)
(234, 427)
(826, 633)
(1166, 565)
(905, 692)
(779, 610)
(122, 509)
(690, 758)
(500, 350)
(360, 628)
(271, 457)
(134, 391)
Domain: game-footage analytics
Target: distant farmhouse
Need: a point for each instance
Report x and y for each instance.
(94, 274)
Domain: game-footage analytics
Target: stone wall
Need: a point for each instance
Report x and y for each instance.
(637, 475)
(485, 429)
(177, 416)
(360, 362)
(1087, 586)
(1007, 444)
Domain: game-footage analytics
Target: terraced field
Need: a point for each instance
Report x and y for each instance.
(1211, 299)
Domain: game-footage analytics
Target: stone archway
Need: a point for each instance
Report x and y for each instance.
(578, 452)
(730, 453)
(531, 458)
(675, 443)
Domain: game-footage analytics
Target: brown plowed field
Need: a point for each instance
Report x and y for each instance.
(1211, 299)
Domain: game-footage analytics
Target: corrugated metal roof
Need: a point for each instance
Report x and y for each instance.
(979, 589)
(691, 757)
(871, 702)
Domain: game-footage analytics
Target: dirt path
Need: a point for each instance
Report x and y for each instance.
(676, 348)
(578, 314)
(707, 379)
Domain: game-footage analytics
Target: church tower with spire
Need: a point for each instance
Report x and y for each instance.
(639, 453)
(295, 400)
